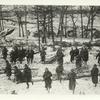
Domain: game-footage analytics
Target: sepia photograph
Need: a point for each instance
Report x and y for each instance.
(50, 49)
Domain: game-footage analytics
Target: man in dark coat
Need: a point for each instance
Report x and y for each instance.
(14, 55)
(59, 71)
(76, 51)
(4, 53)
(47, 78)
(98, 56)
(32, 55)
(94, 74)
(8, 69)
(78, 61)
(72, 80)
(17, 75)
(72, 55)
(43, 54)
(84, 54)
(27, 75)
(60, 56)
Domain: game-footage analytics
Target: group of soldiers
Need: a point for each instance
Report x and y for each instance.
(80, 56)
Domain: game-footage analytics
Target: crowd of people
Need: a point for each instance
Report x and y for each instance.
(79, 56)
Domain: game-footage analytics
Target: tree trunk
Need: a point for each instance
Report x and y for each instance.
(38, 28)
(26, 21)
(52, 29)
(81, 22)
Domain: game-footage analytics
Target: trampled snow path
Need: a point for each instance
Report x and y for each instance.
(84, 87)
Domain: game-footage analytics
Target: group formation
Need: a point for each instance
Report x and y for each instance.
(79, 56)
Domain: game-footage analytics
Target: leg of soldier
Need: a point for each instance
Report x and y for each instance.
(27, 84)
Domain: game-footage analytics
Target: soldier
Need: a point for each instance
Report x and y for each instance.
(76, 51)
(27, 75)
(32, 55)
(4, 53)
(43, 54)
(47, 78)
(78, 61)
(17, 75)
(60, 56)
(72, 80)
(8, 69)
(59, 71)
(98, 56)
(94, 74)
(72, 55)
(84, 54)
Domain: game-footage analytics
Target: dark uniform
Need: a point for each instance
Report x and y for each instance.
(60, 56)
(78, 61)
(32, 55)
(18, 75)
(14, 55)
(98, 56)
(84, 54)
(76, 52)
(94, 74)
(43, 54)
(72, 55)
(8, 69)
(47, 78)
(59, 71)
(27, 75)
(4, 53)
(72, 80)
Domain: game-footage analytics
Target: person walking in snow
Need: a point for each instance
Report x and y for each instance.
(84, 54)
(98, 57)
(71, 55)
(17, 75)
(43, 54)
(47, 78)
(8, 70)
(59, 71)
(27, 74)
(72, 80)
(76, 52)
(4, 52)
(78, 61)
(94, 74)
(60, 56)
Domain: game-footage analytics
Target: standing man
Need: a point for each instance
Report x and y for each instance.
(72, 55)
(84, 54)
(4, 52)
(8, 70)
(60, 56)
(43, 54)
(47, 78)
(27, 75)
(94, 74)
(72, 80)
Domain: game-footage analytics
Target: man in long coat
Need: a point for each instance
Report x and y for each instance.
(72, 80)
(43, 54)
(4, 53)
(17, 75)
(94, 74)
(8, 70)
(60, 56)
(72, 55)
(84, 54)
(59, 71)
(27, 75)
(47, 78)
